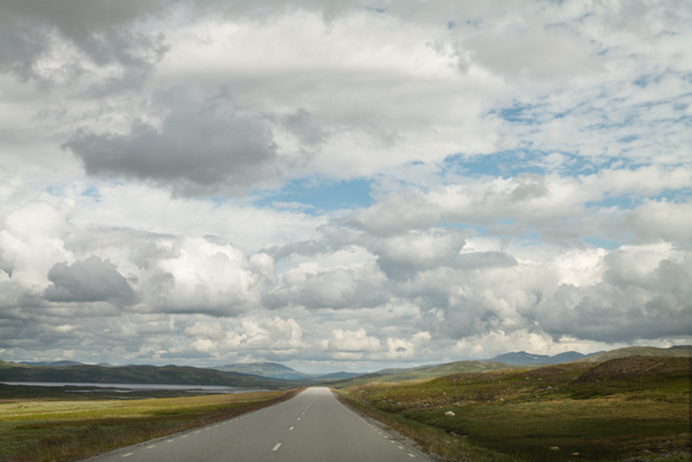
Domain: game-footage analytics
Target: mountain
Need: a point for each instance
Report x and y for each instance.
(338, 375)
(421, 372)
(268, 370)
(526, 359)
(169, 375)
(280, 372)
(678, 350)
(51, 363)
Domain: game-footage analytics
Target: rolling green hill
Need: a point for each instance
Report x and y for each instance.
(674, 351)
(170, 375)
(424, 372)
(268, 370)
(634, 408)
(429, 372)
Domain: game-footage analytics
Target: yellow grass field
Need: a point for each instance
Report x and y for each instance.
(49, 429)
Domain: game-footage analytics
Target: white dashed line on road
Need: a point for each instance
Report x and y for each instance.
(127, 455)
(276, 448)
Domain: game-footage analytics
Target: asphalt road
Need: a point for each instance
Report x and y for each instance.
(312, 426)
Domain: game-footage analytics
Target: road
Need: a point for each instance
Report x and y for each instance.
(312, 426)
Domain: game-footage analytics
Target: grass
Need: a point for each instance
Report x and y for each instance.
(432, 440)
(618, 410)
(48, 429)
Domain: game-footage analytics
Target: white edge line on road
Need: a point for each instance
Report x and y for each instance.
(276, 448)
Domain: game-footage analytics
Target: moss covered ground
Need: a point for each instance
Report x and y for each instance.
(637, 407)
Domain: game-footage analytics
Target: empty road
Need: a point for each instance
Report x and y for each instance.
(312, 426)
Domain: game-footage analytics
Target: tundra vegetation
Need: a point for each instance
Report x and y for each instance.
(40, 424)
(635, 408)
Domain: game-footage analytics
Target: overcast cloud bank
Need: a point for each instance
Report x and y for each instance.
(183, 181)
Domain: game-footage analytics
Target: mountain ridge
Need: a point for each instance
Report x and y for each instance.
(522, 358)
(275, 375)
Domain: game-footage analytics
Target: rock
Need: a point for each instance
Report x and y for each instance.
(449, 414)
(555, 448)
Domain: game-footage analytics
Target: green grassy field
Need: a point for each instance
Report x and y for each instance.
(626, 408)
(38, 426)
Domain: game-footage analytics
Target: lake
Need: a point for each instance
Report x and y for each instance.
(128, 387)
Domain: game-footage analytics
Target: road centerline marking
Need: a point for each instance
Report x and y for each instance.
(276, 448)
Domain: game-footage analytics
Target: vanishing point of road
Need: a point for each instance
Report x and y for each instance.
(312, 426)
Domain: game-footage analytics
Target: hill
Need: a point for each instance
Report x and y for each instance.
(674, 351)
(524, 358)
(170, 375)
(51, 363)
(280, 372)
(634, 408)
(422, 372)
(268, 370)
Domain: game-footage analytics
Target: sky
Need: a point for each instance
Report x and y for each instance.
(343, 185)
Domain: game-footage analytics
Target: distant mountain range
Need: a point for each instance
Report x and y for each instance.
(51, 363)
(678, 350)
(159, 375)
(527, 359)
(281, 372)
(273, 375)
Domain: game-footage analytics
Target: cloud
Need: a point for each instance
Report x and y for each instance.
(92, 280)
(204, 145)
(401, 348)
(31, 241)
(36, 35)
(402, 255)
(351, 341)
(204, 276)
(314, 287)
(528, 162)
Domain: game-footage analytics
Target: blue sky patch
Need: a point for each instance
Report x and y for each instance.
(321, 194)
(54, 190)
(602, 243)
(92, 192)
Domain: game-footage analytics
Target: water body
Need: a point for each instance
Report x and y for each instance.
(128, 387)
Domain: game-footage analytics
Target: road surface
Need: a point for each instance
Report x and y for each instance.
(312, 426)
